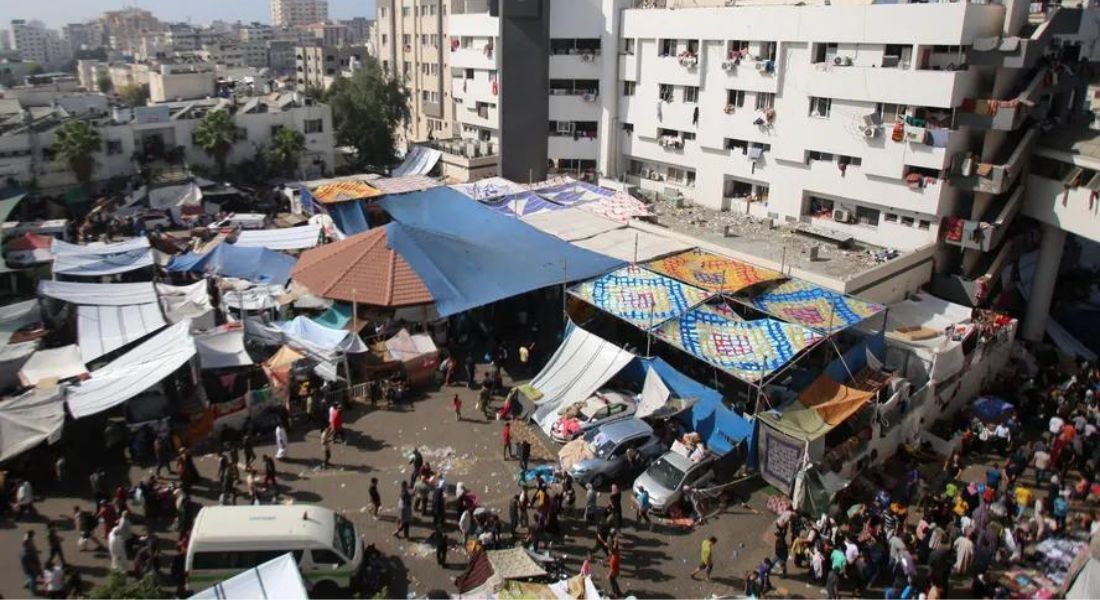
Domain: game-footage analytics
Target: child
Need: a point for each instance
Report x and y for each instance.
(457, 404)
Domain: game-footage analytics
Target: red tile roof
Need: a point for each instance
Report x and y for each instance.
(361, 269)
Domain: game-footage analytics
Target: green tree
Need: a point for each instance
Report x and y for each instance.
(215, 134)
(367, 108)
(77, 142)
(36, 69)
(119, 586)
(287, 146)
(104, 83)
(134, 95)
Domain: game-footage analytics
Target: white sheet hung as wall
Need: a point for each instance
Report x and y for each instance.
(101, 259)
(28, 420)
(134, 372)
(290, 238)
(582, 364)
(222, 349)
(60, 363)
(100, 294)
(103, 329)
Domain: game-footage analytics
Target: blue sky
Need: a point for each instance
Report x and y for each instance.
(56, 13)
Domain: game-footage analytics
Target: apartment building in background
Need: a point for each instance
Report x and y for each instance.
(318, 66)
(35, 43)
(125, 29)
(410, 45)
(295, 13)
(83, 36)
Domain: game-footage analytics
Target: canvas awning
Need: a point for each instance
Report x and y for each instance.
(571, 224)
(619, 206)
(253, 297)
(14, 317)
(258, 265)
(100, 294)
(276, 578)
(307, 334)
(418, 161)
(104, 329)
(30, 419)
(134, 372)
(655, 394)
(52, 363)
(632, 245)
(363, 269)
(290, 238)
(173, 196)
(222, 349)
(468, 256)
(582, 364)
(94, 260)
(181, 302)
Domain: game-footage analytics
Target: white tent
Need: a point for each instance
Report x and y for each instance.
(103, 329)
(306, 334)
(290, 238)
(632, 245)
(571, 224)
(133, 372)
(582, 364)
(27, 420)
(100, 294)
(418, 161)
(404, 346)
(181, 302)
(60, 363)
(14, 317)
(655, 394)
(276, 578)
(98, 259)
(250, 296)
(222, 349)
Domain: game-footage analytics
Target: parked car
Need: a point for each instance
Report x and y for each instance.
(667, 477)
(599, 409)
(602, 455)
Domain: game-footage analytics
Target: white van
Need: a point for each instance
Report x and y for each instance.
(226, 540)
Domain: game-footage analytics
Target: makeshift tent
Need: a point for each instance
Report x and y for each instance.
(30, 419)
(632, 245)
(14, 317)
(278, 368)
(521, 204)
(748, 350)
(134, 372)
(305, 333)
(571, 224)
(467, 255)
(52, 363)
(290, 238)
(406, 184)
(186, 302)
(94, 260)
(343, 191)
(222, 349)
(258, 265)
(655, 394)
(250, 296)
(362, 269)
(104, 329)
(582, 364)
(639, 297)
(418, 161)
(933, 330)
(812, 306)
(175, 196)
(571, 192)
(491, 187)
(619, 206)
(276, 578)
(99, 294)
(28, 249)
(349, 218)
(7, 206)
(712, 271)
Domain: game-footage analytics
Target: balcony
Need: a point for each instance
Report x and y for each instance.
(574, 107)
(975, 287)
(1072, 204)
(482, 56)
(1024, 52)
(1009, 114)
(986, 233)
(578, 147)
(912, 87)
(582, 65)
(996, 177)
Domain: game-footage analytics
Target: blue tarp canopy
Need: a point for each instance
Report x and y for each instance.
(991, 409)
(258, 265)
(720, 427)
(469, 255)
(348, 217)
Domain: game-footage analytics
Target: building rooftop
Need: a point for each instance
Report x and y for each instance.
(783, 244)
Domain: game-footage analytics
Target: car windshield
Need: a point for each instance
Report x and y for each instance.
(345, 538)
(666, 474)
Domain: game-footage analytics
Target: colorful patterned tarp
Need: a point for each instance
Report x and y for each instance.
(343, 191)
(712, 271)
(405, 184)
(492, 187)
(749, 350)
(521, 204)
(640, 297)
(811, 306)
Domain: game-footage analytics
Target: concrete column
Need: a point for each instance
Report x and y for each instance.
(1042, 285)
(608, 159)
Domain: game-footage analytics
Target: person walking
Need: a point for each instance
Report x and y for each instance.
(375, 497)
(404, 512)
(642, 506)
(782, 552)
(53, 579)
(603, 537)
(614, 564)
(269, 475)
(53, 539)
(30, 561)
(456, 404)
(524, 455)
(513, 515)
(506, 439)
(441, 543)
(24, 500)
(280, 442)
(615, 505)
(326, 447)
(466, 524)
(706, 558)
(116, 546)
(591, 499)
(249, 450)
(162, 450)
(417, 462)
(336, 422)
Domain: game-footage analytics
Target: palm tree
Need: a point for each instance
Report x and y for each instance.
(286, 149)
(215, 134)
(76, 142)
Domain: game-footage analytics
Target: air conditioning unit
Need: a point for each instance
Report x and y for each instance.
(760, 66)
(728, 65)
(841, 215)
(915, 134)
(869, 132)
(842, 61)
(588, 57)
(565, 127)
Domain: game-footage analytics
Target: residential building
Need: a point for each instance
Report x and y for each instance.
(181, 82)
(5, 40)
(409, 45)
(255, 32)
(360, 30)
(318, 66)
(281, 56)
(34, 43)
(124, 29)
(83, 36)
(126, 75)
(89, 71)
(294, 13)
(27, 134)
(328, 34)
(235, 54)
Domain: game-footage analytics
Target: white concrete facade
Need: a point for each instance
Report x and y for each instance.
(181, 82)
(292, 13)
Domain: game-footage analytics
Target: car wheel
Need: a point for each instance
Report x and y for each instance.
(599, 481)
(325, 589)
